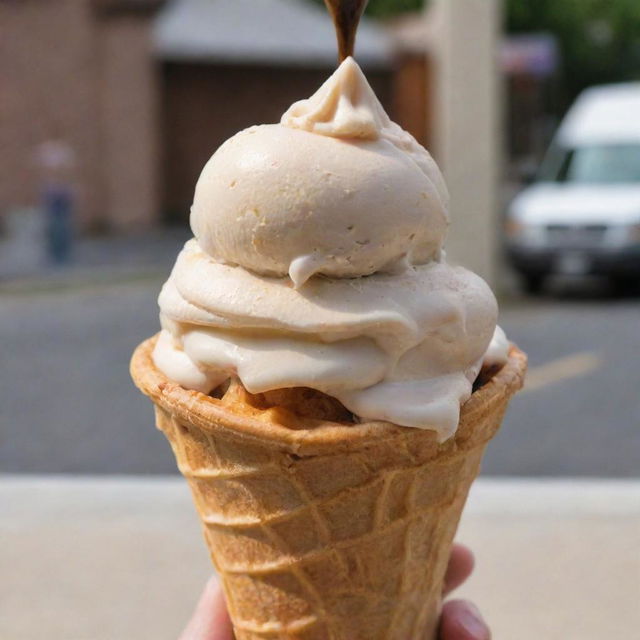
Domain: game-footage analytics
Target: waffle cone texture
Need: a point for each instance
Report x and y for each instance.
(321, 528)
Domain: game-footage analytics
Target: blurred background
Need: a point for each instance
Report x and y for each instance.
(110, 108)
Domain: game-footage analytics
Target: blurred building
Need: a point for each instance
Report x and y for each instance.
(530, 64)
(81, 72)
(414, 37)
(143, 91)
(482, 108)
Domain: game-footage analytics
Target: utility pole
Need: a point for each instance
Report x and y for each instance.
(467, 128)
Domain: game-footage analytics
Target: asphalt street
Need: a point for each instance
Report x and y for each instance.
(67, 403)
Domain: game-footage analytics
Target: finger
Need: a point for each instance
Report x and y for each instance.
(210, 620)
(460, 566)
(461, 620)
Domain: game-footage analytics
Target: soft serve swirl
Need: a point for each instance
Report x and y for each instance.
(317, 262)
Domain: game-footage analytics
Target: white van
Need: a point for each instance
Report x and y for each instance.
(582, 214)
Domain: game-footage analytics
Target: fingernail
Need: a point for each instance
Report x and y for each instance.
(472, 622)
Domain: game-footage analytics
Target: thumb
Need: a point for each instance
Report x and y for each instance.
(210, 620)
(461, 620)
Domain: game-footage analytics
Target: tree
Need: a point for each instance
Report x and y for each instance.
(599, 40)
(389, 8)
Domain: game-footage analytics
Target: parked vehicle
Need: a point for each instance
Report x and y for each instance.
(582, 213)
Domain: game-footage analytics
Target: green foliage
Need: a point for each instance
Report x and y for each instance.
(388, 8)
(599, 39)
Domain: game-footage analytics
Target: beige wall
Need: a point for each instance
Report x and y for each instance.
(70, 72)
(469, 145)
(129, 105)
(47, 81)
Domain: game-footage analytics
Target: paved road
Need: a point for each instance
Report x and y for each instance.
(67, 405)
(580, 411)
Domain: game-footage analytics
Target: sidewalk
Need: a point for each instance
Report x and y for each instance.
(92, 558)
(23, 263)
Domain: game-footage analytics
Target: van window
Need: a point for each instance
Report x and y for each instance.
(594, 164)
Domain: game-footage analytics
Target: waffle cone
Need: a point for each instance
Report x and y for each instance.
(321, 530)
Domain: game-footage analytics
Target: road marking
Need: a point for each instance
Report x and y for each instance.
(573, 366)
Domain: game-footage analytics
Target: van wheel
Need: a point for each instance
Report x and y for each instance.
(532, 283)
(626, 285)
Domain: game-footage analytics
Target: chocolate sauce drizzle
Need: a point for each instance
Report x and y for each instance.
(346, 16)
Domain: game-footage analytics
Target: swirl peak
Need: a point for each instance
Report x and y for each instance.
(345, 106)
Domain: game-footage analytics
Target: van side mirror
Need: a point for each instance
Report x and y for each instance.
(527, 171)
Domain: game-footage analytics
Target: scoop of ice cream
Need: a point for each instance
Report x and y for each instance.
(391, 330)
(336, 189)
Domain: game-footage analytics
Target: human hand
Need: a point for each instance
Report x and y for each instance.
(460, 620)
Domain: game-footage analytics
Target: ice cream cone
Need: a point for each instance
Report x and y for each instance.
(321, 530)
